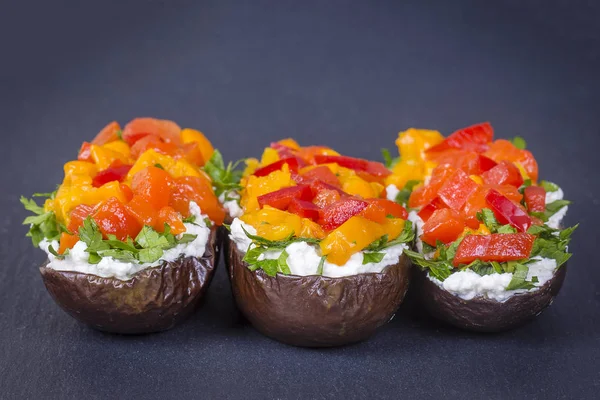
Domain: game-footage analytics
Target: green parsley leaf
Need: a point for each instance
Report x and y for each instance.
(157, 165)
(321, 265)
(551, 209)
(518, 280)
(189, 220)
(480, 267)
(32, 206)
(251, 256)
(519, 142)
(526, 183)
(549, 186)
(437, 269)
(150, 255)
(280, 244)
(55, 253)
(388, 161)
(407, 235)
(372, 258)
(224, 179)
(269, 266)
(506, 229)
(282, 265)
(148, 238)
(486, 216)
(404, 194)
(120, 134)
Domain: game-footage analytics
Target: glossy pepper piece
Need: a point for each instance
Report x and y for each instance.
(457, 188)
(320, 173)
(281, 198)
(371, 167)
(502, 149)
(505, 173)
(495, 247)
(116, 172)
(138, 128)
(142, 210)
(273, 224)
(339, 212)
(436, 204)
(67, 242)
(535, 198)
(154, 184)
(304, 209)
(444, 225)
(424, 194)
(199, 190)
(108, 134)
(85, 153)
(507, 212)
(77, 216)
(292, 163)
(192, 136)
(475, 138)
(352, 236)
(113, 218)
(167, 215)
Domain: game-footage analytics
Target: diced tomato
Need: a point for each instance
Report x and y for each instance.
(430, 208)
(475, 138)
(167, 130)
(374, 212)
(505, 173)
(338, 213)
(85, 152)
(504, 150)
(167, 215)
(199, 190)
(154, 184)
(67, 242)
(444, 225)
(476, 164)
(535, 198)
(474, 204)
(108, 134)
(304, 208)
(281, 198)
(508, 191)
(391, 208)
(370, 167)
(425, 194)
(457, 189)
(495, 247)
(323, 174)
(141, 208)
(326, 197)
(113, 218)
(507, 212)
(286, 152)
(78, 215)
(292, 163)
(116, 172)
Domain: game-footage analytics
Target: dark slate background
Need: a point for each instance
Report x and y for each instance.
(348, 75)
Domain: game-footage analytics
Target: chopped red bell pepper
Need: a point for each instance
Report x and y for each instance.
(379, 210)
(371, 167)
(341, 211)
(318, 185)
(108, 134)
(429, 209)
(326, 197)
(292, 163)
(535, 198)
(321, 173)
(495, 247)
(85, 152)
(113, 218)
(281, 198)
(457, 189)
(507, 212)
(304, 209)
(444, 225)
(475, 138)
(78, 215)
(287, 152)
(505, 173)
(424, 194)
(112, 173)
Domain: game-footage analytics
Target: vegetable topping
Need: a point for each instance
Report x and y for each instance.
(129, 185)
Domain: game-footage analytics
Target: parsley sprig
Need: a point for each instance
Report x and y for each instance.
(373, 253)
(388, 161)
(404, 194)
(224, 179)
(43, 225)
(148, 246)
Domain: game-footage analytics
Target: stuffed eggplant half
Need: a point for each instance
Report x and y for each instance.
(316, 256)
(491, 250)
(130, 233)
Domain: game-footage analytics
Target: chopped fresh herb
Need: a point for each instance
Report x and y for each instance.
(282, 265)
(437, 269)
(43, 225)
(189, 220)
(549, 186)
(224, 179)
(157, 165)
(480, 267)
(427, 248)
(321, 265)
(120, 134)
(551, 209)
(55, 253)
(372, 258)
(519, 143)
(552, 243)
(404, 194)
(518, 280)
(526, 183)
(506, 229)
(278, 244)
(226, 226)
(388, 161)
(486, 216)
(269, 266)
(407, 235)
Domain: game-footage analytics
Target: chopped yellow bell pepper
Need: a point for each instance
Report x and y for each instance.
(393, 227)
(251, 166)
(193, 136)
(269, 156)
(291, 143)
(120, 147)
(357, 186)
(477, 179)
(412, 143)
(103, 156)
(349, 238)
(273, 224)
(150, 158)
(80, 168)
(310, 229)
(257, 186)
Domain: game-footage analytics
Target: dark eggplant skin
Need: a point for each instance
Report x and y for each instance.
(317, 311)
(154, 300)
(482, 314)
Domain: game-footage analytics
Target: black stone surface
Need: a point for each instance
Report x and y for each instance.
(349, 75)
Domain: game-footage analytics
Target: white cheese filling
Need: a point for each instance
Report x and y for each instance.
(232, 204)
(303, 258)
(108, 267)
